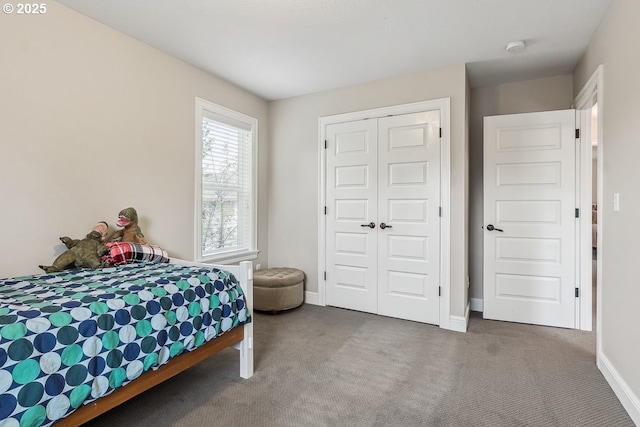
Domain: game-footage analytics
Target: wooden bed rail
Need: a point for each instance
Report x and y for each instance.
(151, 378)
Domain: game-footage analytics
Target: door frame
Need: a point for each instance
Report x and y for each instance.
(591, 92)
(443, 105)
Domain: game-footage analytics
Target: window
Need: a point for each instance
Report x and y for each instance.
(225, 184)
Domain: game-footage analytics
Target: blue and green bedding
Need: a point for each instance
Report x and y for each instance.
(69, 338)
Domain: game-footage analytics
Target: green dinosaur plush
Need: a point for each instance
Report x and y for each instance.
(131, 232)
(81, 253)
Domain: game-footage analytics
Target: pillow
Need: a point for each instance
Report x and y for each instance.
(127, 252)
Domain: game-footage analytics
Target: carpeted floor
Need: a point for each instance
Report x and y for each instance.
(323, 366)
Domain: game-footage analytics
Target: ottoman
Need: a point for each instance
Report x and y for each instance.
(276, 289)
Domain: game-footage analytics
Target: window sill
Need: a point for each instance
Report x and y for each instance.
(231, 257)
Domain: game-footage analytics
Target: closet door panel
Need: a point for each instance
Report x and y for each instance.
(351, 188)
(408, 205)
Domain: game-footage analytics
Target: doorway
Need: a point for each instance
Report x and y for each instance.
(589, 96)
(590, 108)
(594, 205)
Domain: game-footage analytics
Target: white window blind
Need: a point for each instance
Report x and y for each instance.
(226, 196)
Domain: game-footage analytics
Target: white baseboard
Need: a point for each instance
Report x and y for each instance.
(629, 400)
(311, 298)
(456, 323)
(477, 304)
(459, 323)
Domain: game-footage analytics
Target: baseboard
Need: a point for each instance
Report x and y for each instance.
(629, 400)
(477, 304)
(456, 323)
(312, 298)
(459, 323)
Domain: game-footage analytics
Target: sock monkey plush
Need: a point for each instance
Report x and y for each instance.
(102, 227)
(86, 252)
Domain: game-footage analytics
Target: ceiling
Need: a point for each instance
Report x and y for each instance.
(283, 48)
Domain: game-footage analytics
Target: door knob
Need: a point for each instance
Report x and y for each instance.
(370, 225)
(383, 225)
(490, 227)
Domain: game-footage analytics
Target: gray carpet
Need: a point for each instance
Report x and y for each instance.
(323, 366)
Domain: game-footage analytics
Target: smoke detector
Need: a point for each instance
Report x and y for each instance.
(516, 46)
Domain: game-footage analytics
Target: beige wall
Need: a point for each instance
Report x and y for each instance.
(620, 286)
(545, 94)
(91, 122)
(294, 166)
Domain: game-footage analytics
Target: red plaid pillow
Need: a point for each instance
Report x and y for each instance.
(126, 252)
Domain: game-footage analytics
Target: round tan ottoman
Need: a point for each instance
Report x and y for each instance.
(276, 289)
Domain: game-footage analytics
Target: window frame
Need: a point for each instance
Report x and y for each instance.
(230, 256)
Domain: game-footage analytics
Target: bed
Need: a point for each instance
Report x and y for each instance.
(77, 343)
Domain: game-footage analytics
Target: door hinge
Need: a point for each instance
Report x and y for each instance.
(325, 275)
(440, 211)
(325, 210)
(577, 212)
(577, 133)
(439, 291)
(577, 293)
(440, 132)
(325, 144)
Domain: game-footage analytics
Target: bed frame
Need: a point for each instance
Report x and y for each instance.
(240, 338)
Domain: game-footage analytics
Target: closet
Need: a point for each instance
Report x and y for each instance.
(382, 215)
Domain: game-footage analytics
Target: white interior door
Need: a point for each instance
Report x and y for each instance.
(352, 194)
(382, 222)
(408, 205)
(529, 218)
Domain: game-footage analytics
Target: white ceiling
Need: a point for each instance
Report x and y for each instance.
(283, 48)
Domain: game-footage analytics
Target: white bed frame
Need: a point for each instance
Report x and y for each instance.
(240, 338)
(244, 274)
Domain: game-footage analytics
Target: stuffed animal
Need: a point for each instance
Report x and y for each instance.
(81, 253)
(131, 232)
(102, 227)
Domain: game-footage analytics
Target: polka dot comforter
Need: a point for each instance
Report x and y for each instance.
(71, 337)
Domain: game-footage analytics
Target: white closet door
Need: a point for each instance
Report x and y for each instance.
(382, 221)
(408, 204)
(351, 245)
